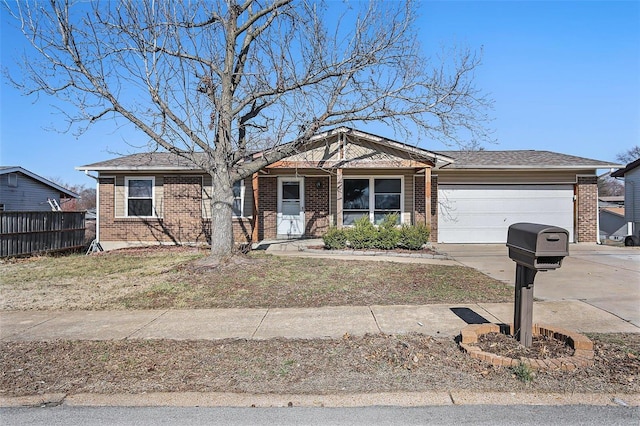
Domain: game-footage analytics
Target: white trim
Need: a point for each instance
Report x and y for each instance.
(98, 206)
(153, 195)
(444, 181)
(302, 216)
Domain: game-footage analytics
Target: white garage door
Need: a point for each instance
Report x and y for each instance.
(483, 213)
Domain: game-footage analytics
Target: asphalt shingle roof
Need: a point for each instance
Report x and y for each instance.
(525, 159)
(520, 159)
(143, 161)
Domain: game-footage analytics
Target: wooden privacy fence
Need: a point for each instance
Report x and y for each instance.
(23, 233)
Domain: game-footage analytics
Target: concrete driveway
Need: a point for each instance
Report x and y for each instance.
(605, 277)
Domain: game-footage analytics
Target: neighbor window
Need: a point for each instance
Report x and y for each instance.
(371, 197)
(12, 180)
(238, 198)
(139, 196)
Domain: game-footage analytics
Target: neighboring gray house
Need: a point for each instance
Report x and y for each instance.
(613, 225)
(22, 190)
(631, 175)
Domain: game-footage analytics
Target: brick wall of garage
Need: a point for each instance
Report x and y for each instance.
(587, 209)
(419, 204)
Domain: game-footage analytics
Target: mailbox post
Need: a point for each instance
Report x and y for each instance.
(534, 247)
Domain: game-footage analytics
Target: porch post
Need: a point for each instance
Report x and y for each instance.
(256, 206)
(339, 198)
(427, 196)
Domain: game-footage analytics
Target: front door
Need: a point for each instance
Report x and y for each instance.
(290, 207)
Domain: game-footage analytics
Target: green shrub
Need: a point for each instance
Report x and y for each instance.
(523, 372)
(388, 233)
(335, 239)
(386, 236)
(413, 237)
(363, 235)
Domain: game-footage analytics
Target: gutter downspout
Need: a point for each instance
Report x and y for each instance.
(631, 224)
(86, 172)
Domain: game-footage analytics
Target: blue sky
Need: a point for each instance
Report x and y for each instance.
(564, 75)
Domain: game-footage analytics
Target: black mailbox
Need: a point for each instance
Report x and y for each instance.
(536, 246)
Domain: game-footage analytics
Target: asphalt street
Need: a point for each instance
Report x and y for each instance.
(520, 415)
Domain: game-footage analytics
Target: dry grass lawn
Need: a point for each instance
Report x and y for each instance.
(160, 278)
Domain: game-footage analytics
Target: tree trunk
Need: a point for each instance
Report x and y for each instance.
(221, 218)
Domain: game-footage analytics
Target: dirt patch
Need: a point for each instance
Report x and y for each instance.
(372, 363)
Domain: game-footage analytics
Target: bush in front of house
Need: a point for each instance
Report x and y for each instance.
(388, 233)
(414, 237)
(386, 236)
(363, 235)
(335, 239)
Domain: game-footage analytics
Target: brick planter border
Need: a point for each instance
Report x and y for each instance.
(582, 346)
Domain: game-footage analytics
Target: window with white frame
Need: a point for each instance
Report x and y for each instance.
(371, 197)
(238, 198)
(139, 193)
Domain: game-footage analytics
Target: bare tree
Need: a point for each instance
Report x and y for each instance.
(213, 80)
(630, 155)
(87, 198)
(608, 186)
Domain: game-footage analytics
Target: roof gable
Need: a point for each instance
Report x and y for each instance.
(17, 169)
(346, 147)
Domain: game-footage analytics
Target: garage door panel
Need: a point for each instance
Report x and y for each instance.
(483, 213)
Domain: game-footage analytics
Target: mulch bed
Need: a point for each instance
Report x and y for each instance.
(542, 347)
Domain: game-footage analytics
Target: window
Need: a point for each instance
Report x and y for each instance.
(238, 198)
(359, 200)
(388, 193)
(139, 193)
(12, 180)
(356, 200)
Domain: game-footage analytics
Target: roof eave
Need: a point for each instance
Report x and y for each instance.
(524, 167)
(135, 168)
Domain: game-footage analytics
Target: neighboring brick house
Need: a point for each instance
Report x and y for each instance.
(464, 196)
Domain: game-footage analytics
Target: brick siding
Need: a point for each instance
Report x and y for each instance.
(587, 194)
(132, 230)
(267, 206)
(316, 206)
(183, 209)
(181, 221)
(434, 209)
(419, 215)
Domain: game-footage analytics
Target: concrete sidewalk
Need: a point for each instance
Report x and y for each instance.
(326, 322)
